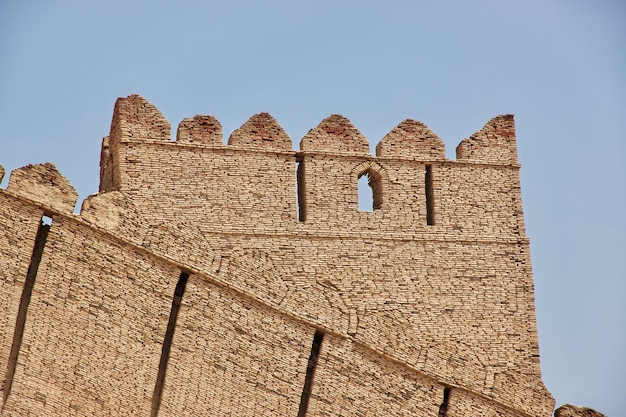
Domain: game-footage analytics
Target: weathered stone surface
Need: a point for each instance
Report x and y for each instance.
(261, 131)
(335, 134)
(412, 139)
(135, 118)
(116, 213)
(494, 143)
(568, 410)
(44, 184)
(205, 130)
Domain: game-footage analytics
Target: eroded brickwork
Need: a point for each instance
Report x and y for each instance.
(204, 277)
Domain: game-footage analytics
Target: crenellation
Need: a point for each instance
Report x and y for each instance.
(206, 130)
(494, 143)
(44, 184)
(116, 213)
(335, 134)
(430, 292)
(261, 131)
(412, 139)
(135, 118)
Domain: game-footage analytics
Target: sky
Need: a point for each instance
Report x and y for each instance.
(559, 66)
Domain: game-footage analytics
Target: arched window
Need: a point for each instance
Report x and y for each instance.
(370, 190)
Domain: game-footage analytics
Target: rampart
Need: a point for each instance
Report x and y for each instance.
(208, 279)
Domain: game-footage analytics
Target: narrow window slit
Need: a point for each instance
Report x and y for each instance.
(430, 196)
(27, 291)
(443, 408)
(300, 191)
(167, 343)
(310, 373)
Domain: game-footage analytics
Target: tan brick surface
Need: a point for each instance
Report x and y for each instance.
(94, 330)
(17, 236)
(429, 290)
(349, 378)
(231, 353)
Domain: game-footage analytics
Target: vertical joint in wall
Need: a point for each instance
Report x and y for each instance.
(300, 189)
(430, 195)
(310, 373)
(167, 343)
(27, 291)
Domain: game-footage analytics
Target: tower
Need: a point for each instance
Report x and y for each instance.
(212, 279)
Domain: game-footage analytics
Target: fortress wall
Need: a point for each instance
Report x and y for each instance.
(256, 191)
(431, 289)
(349, 377)
(458, 311)
(94, 328)
(216, 186)
(330, 187)
(232, 355)
(469, 200)
(478, 200)
(462, 404)
(20, 222)
(251, 181)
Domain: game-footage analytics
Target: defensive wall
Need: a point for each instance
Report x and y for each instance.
(208, 279)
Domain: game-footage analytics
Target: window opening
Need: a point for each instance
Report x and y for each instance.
(370, 191)
(167, 343)
(310, 373)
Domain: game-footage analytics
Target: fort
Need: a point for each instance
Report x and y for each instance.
(212, 279)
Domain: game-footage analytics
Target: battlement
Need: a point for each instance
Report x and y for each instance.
(247, 272)
(265, 185)
(134, 118)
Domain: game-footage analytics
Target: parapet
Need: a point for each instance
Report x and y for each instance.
(135, 118)
(251, 182)
(44, 184)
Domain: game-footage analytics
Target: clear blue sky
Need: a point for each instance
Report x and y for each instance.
(559, 66)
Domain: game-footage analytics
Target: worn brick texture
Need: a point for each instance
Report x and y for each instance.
(216, 279)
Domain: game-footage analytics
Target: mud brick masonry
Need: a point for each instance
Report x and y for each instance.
(210, 280)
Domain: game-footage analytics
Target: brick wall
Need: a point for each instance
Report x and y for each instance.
(202, 277)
